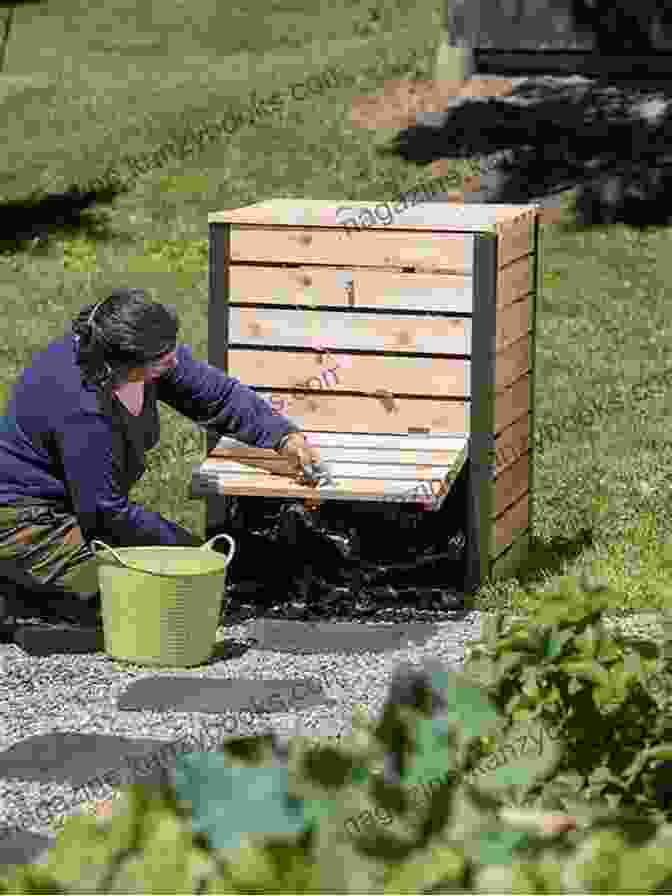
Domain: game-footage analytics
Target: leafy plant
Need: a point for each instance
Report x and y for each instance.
(585, 684)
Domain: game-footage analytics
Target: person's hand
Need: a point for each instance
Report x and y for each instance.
(299, 454)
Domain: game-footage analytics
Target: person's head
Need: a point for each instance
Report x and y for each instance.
(130, 339)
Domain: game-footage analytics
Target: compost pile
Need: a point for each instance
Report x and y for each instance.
(358, 561)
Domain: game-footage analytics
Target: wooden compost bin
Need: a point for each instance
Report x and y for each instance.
(404, 350)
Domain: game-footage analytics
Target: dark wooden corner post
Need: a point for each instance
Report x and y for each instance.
(218, 342)
(482, 420)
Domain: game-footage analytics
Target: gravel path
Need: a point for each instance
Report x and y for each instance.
(78, 693)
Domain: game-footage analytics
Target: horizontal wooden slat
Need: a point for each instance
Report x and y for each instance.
(359, 440)
(289, 286)
(220, 461)
(511, 484)
(512, 443)
(449, 252)
(329, 213)
(512, 403)
(512, 522)
(351, 373)
(513, 322)
(330, 411)
(411, 464)
(269, 459)
(357, 287)
(514, 281)
(340, 469)
(516, 238)
(278, 487)
(261, 471)
(349, 330)
(511, 363)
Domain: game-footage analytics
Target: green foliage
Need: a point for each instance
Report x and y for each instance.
(588, 686)
(422, 799)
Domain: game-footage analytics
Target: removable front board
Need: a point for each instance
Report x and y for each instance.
(364, 468)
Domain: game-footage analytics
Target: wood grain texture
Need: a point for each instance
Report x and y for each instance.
(331, 412)
(390, 472)
(511, 484)
(355, 441)
(509, 525)
(512, 403)
(299, 212)
(410, 441)
(266, 485)
(435, 377)
(513, 322)
(511, 443)
(516, 238)
(511, 363)
(349, 330)
(351, 287)
(393, 464)
(267, 458)
(515, 281)
(366, 248)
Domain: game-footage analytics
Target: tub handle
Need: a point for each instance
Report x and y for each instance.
(208, 544)
(232, 545)
(115, 555)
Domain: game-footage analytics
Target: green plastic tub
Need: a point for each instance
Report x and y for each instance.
(161, 605)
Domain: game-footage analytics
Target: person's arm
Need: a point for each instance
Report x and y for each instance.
(209, 397)
(90, 454)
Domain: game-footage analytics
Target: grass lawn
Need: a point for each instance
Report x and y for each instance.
(601, 445)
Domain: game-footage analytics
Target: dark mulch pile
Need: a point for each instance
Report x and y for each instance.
(358, 561)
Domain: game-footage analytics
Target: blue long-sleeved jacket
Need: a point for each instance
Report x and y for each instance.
(80, 448)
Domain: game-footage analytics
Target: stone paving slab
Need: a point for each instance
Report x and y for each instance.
(44, 639)
(220, 695)
(77, 758)
(22, 847)
(288, 636)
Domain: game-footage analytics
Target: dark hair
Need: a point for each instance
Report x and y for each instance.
(127, 330)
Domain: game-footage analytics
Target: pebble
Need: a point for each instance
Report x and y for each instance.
(78, 693)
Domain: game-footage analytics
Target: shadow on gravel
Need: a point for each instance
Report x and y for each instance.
(27, 224)
(612, 142)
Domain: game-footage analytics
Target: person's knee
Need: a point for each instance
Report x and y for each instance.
(81, 579)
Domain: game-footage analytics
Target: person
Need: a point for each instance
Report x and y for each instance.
(78, 424)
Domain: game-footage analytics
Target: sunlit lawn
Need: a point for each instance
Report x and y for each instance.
(603, 331)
